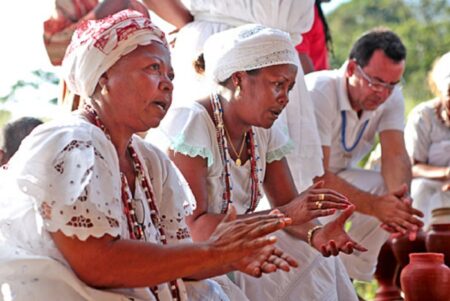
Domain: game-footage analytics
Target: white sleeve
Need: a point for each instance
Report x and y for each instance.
(190, 132)
(279, 144)
(417, 134)
(393, 117)
(73, 180)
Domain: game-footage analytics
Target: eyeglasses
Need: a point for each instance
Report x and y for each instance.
(376, 85)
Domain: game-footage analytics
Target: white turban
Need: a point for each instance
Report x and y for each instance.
(441, 74)
(97, 45)
(247, 47)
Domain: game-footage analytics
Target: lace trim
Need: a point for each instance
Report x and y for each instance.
(280, 153)
(179, 144)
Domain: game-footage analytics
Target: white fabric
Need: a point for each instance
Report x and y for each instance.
(426, 137)
(191, 131)
(427, 140)
(293, 16)
(247, 47)
(328, 90)
(99, 44)
(317, 278)
(329, 94)
(65, 176)
(441, 74)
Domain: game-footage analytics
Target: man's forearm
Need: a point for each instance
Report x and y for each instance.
(172, 11)
(396, 171)
(362, 200)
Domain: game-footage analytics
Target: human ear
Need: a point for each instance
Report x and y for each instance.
(351, 66)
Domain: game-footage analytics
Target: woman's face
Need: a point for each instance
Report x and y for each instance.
(266, 93)
(140, 87)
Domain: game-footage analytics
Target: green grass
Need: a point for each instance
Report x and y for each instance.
(366, 290)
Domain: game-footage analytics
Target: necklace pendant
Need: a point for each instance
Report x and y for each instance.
(238, 162)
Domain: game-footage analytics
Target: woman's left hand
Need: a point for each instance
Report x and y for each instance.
(268, 260)
(314, 202)
(332, 238)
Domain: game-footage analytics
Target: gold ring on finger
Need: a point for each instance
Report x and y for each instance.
(319, 204)
(321, 197)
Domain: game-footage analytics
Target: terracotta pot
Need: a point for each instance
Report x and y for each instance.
(385, 274)
(438, 240)
(402, 247)
(426, 277)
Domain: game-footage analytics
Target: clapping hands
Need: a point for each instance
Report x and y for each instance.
(243, 243)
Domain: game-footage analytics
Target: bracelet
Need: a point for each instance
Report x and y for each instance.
(311, 233)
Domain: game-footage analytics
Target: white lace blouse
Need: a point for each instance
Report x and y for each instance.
(65, 177)
(192, 132)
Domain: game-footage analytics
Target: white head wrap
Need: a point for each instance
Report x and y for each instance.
(441, 74)
(98, 45)
(247, 47)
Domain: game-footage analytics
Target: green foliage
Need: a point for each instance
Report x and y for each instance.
(423, 25)
(366, 290)
(5, 116)
(38, 78)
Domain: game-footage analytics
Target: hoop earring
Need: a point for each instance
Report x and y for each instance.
(104, 91)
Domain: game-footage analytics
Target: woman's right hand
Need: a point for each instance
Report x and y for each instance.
(314, 202)
(243, 243)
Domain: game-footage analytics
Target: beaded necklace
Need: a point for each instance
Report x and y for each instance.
(136, 229)
(223, 147)
(343, 130)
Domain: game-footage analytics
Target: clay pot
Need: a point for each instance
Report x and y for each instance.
(438, 240)
(440, 216)
(385, 274)
(426, 277)
(402, 247)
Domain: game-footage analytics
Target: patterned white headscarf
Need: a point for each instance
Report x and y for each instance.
(441, 74)
(97, 45)
(247, 47)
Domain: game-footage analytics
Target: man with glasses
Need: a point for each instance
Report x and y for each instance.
(352, 105)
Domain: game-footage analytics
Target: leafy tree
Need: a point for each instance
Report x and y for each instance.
(423, 25)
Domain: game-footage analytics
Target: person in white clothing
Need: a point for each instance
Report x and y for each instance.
(213, 16)
(230, 151)
(427, 137)
(92, 212)
(352, 105)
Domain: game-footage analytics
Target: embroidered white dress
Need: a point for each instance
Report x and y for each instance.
(293, 16)
(428, 140)
(192, 132)
(65, 177)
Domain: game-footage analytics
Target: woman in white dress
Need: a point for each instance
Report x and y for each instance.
(212, 16)
(92, 212)
(427, 136)
(228, 151)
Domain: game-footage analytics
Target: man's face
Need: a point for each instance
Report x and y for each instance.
(368, 87)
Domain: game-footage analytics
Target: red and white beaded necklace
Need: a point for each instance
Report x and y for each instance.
(136, 229)
(223, 146)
